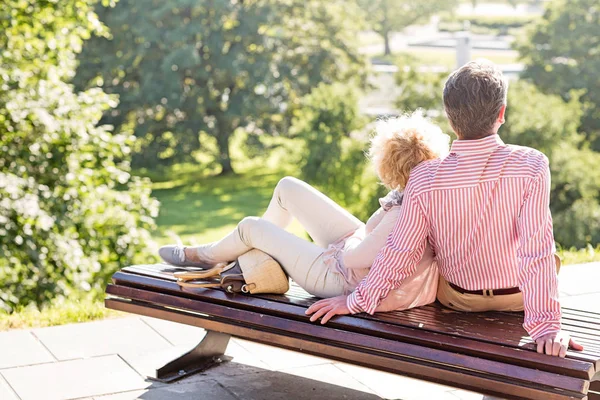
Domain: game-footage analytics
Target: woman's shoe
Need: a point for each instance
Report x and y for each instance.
(175, 255)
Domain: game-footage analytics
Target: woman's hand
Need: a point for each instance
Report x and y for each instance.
(328, 308)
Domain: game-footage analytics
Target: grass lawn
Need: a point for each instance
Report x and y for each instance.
(57, 313)
(201, 211)
(447, 57)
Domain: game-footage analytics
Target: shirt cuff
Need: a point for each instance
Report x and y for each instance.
(544, 329)
(352, 303)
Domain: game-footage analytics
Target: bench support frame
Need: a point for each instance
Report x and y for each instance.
(208, 353)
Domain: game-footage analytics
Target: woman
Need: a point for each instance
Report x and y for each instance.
(344, 248)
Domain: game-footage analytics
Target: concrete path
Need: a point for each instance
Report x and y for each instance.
(109, 360)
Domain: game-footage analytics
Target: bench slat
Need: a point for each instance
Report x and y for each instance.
(441, 362)
(507, 329)
(519, 356)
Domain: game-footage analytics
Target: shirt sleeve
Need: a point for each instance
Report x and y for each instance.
(374, 221)
(397, 260)
(535, 253)
(361, 254)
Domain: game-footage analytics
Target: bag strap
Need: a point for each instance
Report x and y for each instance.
(204, 274)
(199, 284)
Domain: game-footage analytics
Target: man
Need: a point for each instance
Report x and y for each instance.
(485, 211)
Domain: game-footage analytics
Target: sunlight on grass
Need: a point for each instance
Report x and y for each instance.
(198, 209)
(205, 211)
(579, 256)
(57, 313)
(447, 57)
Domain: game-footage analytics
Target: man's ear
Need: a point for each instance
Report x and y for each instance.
(501, 114)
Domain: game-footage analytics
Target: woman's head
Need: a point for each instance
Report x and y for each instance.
(402, 143)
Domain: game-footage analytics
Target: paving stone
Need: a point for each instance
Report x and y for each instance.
(21, 348)
(230, 368)
(147, 363)
(277, 358)
(392, 386)
(74, 379)
(579, 279)
(174, 332)
(240, 355)
(6, 393)
(329, 373)
(585, 302)
(276, 385)
(466, 395)
(206, 390)
(134, 394)
(123, 336)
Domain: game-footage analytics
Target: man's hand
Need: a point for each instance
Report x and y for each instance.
(329, 308)
(556, 344)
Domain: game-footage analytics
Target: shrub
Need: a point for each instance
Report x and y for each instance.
(70, 213)
(334, 143)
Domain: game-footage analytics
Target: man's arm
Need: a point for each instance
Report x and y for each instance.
(535, 254)
(397, 260)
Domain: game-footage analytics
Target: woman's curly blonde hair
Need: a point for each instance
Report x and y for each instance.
(401, 143)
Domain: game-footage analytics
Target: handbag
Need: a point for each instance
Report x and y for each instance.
(253, 272)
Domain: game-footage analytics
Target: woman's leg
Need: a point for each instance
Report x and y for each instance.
(324, 220)
(300, 259)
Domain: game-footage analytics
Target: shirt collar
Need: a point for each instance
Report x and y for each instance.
(485, 145)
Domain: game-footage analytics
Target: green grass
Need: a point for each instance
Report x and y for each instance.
(447, 57)
(204, 210)
(579, 256)
(57, 313)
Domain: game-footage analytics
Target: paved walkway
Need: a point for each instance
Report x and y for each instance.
(108, 360)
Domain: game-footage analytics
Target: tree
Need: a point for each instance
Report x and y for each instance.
(332, 156)
(562, 56)
(387, 16)
(420, 88)
(184, 67)
(549, 124)
(70, 213)
(324, 122)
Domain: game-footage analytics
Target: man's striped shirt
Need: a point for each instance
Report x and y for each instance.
(485, 211)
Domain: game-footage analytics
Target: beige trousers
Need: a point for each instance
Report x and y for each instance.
(324, 220)
(476, 303)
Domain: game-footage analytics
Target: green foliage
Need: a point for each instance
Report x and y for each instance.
(420, 88)
(547, 123)
(562, 56)
(183, 68)
(333, 157)
(330, 159)
(387, 16)
(70, 213)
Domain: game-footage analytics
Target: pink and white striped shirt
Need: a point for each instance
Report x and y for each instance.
(485, 211)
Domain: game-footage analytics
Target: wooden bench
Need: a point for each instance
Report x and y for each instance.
(488, 353)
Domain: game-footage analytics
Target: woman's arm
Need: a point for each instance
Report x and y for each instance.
(374, 220)
(362, 254)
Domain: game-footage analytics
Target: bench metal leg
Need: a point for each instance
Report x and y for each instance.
(209, 352)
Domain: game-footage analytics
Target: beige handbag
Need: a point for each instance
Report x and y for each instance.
(253, 272)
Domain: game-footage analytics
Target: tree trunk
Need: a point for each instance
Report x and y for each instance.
(223, 135)
(386, 40)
